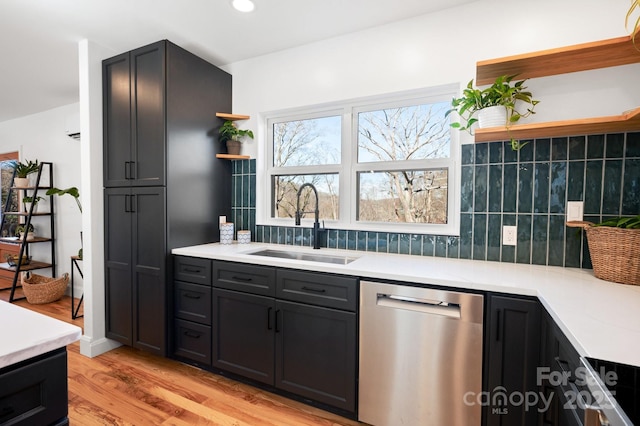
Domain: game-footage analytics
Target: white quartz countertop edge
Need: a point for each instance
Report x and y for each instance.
(600, 318)
(26, 334)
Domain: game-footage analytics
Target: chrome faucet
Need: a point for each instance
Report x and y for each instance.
(316, 223)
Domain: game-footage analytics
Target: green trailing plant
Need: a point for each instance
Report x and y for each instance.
(513, 96)
(24, 169)
(229, 131)
(73, 191)
(622, 222)
(34, 200)
(635, 4)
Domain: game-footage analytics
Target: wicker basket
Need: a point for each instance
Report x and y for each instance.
(39, 289)
(615, 252)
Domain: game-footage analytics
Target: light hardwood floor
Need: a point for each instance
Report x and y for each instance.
(130, 387)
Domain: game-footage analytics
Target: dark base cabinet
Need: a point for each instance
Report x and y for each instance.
(288, 331)
(34, 392)
(512, 355)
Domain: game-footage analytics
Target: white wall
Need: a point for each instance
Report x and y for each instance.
(438, 49)
(42, 136)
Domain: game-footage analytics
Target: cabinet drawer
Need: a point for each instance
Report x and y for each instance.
(193, 341)
(243, 277)
(193, 270)
(193, 302)
(331, 291)
(35, 393)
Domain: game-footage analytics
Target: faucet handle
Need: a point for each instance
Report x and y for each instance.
(298, 215)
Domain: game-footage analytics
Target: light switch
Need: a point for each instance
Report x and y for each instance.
(575, 210)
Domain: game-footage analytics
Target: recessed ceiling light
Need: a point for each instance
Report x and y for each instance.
(243, 5)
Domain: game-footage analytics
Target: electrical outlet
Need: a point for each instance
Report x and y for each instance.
(509, 235)
(575, 210)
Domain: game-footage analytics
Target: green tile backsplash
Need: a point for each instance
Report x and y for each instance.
(528, 189)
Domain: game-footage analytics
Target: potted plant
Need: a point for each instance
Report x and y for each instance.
(230, 134)
(22, 171)
(614, 246)
(27, 201)
(501, 104)
(73, 191)
(30, 232)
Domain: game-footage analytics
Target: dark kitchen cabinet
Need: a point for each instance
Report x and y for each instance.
(134, 94)
(281, 328)
(512, 351)
(134, 266)
(34, 391)
(559, 359)
(160, 133)
(192, 309)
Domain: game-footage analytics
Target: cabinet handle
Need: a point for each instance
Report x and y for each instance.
(315, 290)
(191, 296)
(195, 271)
(192, 334)
(127, 203)
(498, 318)
(269, 309)
(277, 322)
(126, 170)
(245, 279)
(133, 204)
(134, 171)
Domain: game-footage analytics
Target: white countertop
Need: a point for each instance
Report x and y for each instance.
(600, 318)
(26, 334)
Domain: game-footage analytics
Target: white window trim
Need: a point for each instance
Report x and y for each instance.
(348, 175)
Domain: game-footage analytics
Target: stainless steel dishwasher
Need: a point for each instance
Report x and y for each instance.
(420, 356)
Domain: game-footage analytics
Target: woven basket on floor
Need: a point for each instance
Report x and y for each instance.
(615, 252)
(39, 289)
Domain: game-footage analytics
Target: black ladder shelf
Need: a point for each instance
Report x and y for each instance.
(24, 218)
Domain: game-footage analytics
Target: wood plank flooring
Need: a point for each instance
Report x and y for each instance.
(130, 387)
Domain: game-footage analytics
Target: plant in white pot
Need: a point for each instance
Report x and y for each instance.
(502, 104)
(230, 134)
(30, 232)
(22, 171)
(27, 201)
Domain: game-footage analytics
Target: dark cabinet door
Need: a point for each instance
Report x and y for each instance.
(134, 117)
(148, 148)
(116, 88)
(513, 350)
(118, 277)
(243, 341)
(135, 271)
(316, 353)
(148, 268)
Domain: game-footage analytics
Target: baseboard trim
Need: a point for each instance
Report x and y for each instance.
(91, 348)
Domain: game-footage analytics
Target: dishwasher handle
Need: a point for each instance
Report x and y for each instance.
(426, 306)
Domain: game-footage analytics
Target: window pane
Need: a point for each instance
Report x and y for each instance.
(285, 195)
(409, 196)
(307, 142)
(407, 133)
(6, 173)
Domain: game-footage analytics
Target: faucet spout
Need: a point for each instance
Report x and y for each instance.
(316, 223)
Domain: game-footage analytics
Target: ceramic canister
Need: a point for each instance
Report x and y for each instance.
(244, 237)
(226, 233)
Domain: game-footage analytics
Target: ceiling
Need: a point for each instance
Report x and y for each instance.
(39, 38)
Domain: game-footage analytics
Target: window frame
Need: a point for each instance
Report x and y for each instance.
(349, 167)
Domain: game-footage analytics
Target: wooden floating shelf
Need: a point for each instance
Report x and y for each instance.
(628, 121)
(31, 266)
(232, 117)
(579, 57)
(232, 157)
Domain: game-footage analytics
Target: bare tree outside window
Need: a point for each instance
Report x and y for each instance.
(305, 143)
(401, 134)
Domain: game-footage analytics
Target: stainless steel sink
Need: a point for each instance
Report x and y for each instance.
(312, 257)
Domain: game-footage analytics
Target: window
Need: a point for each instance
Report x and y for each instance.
(381, 164)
